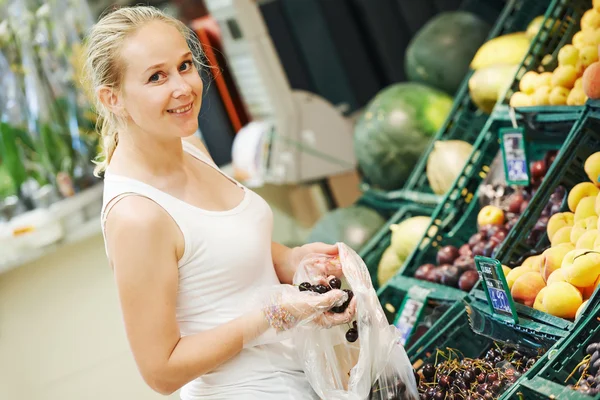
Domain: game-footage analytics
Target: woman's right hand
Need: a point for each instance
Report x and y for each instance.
(290, 307)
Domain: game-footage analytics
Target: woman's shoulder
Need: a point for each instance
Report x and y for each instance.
(137, 213)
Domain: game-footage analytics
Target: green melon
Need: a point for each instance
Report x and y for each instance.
(353, 225)
(395, 129)
(440, 53)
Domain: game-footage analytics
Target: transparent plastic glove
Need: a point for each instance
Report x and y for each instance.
(289, 307)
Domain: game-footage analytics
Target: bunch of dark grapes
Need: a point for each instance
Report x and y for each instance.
(589, 383)
(334, 283)
(473, 379)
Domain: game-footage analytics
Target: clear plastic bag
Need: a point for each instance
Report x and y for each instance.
(375, 366)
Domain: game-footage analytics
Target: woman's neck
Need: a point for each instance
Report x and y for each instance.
(142, 151)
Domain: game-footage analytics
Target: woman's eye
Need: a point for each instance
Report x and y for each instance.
(185, 66)
(154, 78)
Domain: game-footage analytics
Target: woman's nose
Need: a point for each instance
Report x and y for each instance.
(181, 87)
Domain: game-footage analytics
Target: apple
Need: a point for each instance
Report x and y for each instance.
(490, 215)
(465, 262)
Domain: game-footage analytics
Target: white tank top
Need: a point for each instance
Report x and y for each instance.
(227, 258)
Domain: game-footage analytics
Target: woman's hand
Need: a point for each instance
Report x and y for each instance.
(325, 268)
(289, 307)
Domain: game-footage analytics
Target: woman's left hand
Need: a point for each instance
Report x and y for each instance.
(325, 270)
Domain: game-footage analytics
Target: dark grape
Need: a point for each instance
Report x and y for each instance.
(439, 395)
(321, 289)
(592, 348)
(304, 286)
(352, 335)
(343, 307)
(469, 376)
(335, 283)
(428, 371)
(481, 378)
(482, 389)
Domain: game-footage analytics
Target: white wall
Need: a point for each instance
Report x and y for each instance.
(61, 335)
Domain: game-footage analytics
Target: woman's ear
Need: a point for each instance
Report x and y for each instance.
(110, 98)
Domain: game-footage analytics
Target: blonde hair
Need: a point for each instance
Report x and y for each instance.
(103, 67)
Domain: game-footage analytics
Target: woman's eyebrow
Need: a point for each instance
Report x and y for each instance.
(160, 65)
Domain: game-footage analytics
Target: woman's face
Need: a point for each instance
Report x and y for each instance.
(162, 90)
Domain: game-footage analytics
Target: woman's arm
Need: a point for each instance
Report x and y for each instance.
(142, 242)
(283, 261)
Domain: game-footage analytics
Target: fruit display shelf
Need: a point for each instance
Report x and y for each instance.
(461, 364)
(561, 25)
(573, 362)
(567, 171)
(72, 220)
(465, 121)
(455, 222)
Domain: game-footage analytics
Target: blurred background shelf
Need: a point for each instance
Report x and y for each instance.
(79, 218)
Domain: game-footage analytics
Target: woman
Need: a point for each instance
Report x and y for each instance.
(189, 246)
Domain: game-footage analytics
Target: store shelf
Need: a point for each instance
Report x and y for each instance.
(80, 219)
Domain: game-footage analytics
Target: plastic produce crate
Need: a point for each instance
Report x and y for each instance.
(549, 381)
(465, 121)
(567, 171)
(455, 220)
(372, 251)
(453, 334)
(562, 22)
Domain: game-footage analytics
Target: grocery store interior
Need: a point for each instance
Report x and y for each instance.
(450, 147)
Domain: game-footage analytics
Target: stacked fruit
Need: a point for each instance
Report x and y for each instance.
(589, 381)
(334, 283)
(560, 280)
(563, 85)
(470, 379)
(456, 266)
(496, 63)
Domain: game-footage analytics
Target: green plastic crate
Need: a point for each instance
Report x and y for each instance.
(440, 301)
(550, 380)
(567, 170)
(372, 251)
(455, 220)
(565, 15)
(453, 331)
(465, 121)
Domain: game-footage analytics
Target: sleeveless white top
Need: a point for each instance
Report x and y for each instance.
(227, 258)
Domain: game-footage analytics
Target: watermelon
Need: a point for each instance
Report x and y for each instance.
(440, 53)
(353, 225)
(395, 129)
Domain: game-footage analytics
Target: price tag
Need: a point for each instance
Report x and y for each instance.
(496, 288)
(514, 154)
(410, 312)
